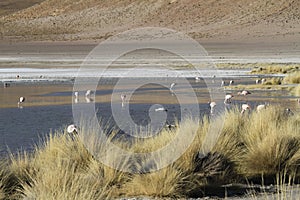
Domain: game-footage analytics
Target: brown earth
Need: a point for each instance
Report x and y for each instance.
(207, 20)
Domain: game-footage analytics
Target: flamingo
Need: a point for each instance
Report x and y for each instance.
(231, 82)
(228, 98)
(212, 106)
(88, 93)
(261, 107)
(21, 100)
(76, 100)
(72, 129)
(172, 86)
(222, 83)
(123, 97)
(245, 107)
(5, 85)
(160, 109)
(244, 93)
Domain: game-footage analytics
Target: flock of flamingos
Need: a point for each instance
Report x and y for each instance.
(227, 100)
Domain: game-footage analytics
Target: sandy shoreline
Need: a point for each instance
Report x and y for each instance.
(71, 54)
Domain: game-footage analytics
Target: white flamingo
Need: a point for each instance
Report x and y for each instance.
(245, 107)
(76, 100)
(160, 109)
(72, 129)
(228, 98)
(123, 98)
(172, 86)
(261, 107)
(222, 83)
(21, 100)
(212, 106)
(244, 93)
(88, 93)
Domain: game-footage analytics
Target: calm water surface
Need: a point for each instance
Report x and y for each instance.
(22, 128)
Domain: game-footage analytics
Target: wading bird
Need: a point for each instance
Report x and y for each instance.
(123, 98)
(261, 107)
(257, 81)
(222, 83)
(263, 81)
(245, 107)
(160, 109)
(244, 93)
(76, 100)
(231, 82)
(172, 86)
(88, 93)
(72, 129)
(21, 100)
(212, 106)
(228, 98)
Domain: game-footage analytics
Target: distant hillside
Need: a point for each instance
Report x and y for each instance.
(201, 19)
(11, 6)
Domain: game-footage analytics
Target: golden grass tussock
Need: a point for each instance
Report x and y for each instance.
(275, 68)
(229, 148)
(293, 78)
(296, 90)
(270, 142)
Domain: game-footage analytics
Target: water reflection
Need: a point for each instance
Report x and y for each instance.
(48, 107)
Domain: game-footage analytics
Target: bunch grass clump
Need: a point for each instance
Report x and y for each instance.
(293, 78)
(275, 68)
(227, 148)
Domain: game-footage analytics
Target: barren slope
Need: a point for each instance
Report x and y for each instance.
(240, 20)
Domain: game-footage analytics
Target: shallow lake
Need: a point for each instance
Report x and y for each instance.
(48, 106)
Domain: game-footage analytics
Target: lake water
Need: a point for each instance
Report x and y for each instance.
(48, 107)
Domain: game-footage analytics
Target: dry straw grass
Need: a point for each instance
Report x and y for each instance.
(247, 146)
(296, 90)
(275, 68)
(292, 78)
